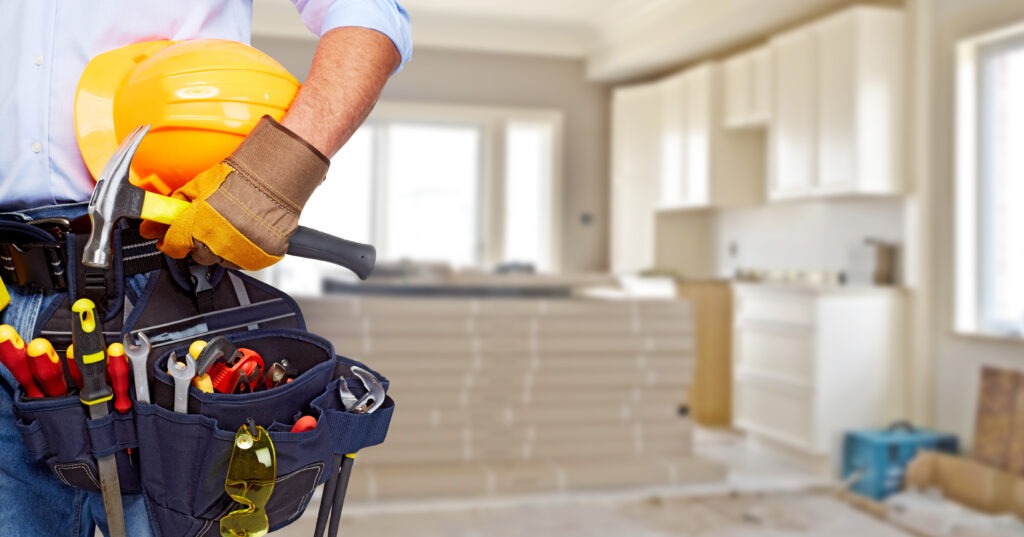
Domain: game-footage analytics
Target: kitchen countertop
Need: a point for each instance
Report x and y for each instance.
(808, 288)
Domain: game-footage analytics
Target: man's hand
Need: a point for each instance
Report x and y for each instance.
(245, 208)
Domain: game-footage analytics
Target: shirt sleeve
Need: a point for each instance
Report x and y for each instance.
(386, 16)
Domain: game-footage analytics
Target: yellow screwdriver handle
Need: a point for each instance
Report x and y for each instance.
(163, 209)
(5, 297)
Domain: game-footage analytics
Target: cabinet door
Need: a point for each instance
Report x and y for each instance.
(697, 175)
(738, 84)
(635, 130)
(632, 229)
(635, 155)
(672, 191)
(761, 73)
(837, 107)
(795, 96)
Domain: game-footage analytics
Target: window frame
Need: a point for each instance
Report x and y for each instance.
(493, 121)
(972, 293)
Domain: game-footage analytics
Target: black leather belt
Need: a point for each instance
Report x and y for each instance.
(35, 254)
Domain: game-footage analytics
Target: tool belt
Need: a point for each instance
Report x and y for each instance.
(179, 461)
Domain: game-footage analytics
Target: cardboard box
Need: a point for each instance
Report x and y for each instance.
(968, 482)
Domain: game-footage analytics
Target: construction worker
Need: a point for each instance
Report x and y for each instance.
(45, 46)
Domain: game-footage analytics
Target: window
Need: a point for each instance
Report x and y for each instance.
(990, 190)
(462, 186)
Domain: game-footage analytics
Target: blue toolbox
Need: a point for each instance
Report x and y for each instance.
(875, 460)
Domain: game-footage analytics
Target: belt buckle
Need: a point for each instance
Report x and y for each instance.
(59, 227)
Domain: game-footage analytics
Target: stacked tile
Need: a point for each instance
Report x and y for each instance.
(505, 396)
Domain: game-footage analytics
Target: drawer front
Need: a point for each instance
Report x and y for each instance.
(775, 410)
(786, 353)
(781, 308)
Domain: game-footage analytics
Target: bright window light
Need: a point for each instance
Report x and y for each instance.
(528, 194)
(433, 189)
(1001, 188)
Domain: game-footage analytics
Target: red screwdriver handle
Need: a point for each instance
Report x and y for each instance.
(12, 355)
(117, 367)
(76, 375)
(45, 366)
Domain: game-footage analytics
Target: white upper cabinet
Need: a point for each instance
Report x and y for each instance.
(702, 165)
(636, 129)
(837, 114)
(761, 101)
(792, 142)
(748, 89)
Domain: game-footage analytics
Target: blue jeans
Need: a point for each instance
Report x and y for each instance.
(33, 501)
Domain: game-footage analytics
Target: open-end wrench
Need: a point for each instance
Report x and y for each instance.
(182, 372)
(334, 490)
(138, 355)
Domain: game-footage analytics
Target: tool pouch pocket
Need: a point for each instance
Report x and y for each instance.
(54, 428)
(184, 457)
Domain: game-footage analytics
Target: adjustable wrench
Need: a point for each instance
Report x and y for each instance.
(334, 490)
(182, 373)
(368, 403)
(138, 355)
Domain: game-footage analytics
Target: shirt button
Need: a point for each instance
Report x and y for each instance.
(39, 59)
(37, 147)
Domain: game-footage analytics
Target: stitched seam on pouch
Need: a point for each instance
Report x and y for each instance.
(60, 468)
(319, 467)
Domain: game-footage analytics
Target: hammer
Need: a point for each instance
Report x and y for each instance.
(115, 198)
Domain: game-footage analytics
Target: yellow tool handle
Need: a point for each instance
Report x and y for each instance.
(5, 298)
(163, 209)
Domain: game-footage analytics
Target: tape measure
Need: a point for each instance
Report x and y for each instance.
(5, 297)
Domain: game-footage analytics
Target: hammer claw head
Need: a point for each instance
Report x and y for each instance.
(112, 199)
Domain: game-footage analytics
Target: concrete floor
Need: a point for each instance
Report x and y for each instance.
(763, 497)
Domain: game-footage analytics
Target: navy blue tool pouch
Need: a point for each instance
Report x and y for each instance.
(179, 461)
(189, 453)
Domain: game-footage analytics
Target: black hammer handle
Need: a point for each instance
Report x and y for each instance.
(313, 244)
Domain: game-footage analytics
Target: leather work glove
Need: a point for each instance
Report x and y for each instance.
(245, 208)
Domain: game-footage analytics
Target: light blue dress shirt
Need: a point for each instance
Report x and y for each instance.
(45, 45)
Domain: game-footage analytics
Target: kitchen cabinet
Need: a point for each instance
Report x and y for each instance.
(811, 363)
(636, 129)
(838, 106)
(792, 138)
(703, 165)
(748, 89)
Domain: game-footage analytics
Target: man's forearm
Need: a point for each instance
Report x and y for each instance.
(349, 70)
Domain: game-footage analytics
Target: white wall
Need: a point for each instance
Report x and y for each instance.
(809, 235)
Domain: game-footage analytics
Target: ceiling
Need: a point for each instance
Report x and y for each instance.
(619, 39)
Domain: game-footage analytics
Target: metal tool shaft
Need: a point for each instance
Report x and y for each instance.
(110, 484)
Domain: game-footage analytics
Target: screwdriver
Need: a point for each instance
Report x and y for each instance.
(76, 375)
(117, 368)
(90, 355)
(12, 355)
(45, 366)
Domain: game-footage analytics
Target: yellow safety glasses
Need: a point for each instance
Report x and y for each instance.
(250, 482)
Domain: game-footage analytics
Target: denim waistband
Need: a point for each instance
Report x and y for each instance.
(67, 210)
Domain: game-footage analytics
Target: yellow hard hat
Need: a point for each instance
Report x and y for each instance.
(201, 98)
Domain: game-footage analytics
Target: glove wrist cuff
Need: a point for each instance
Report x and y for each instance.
(280, 163)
